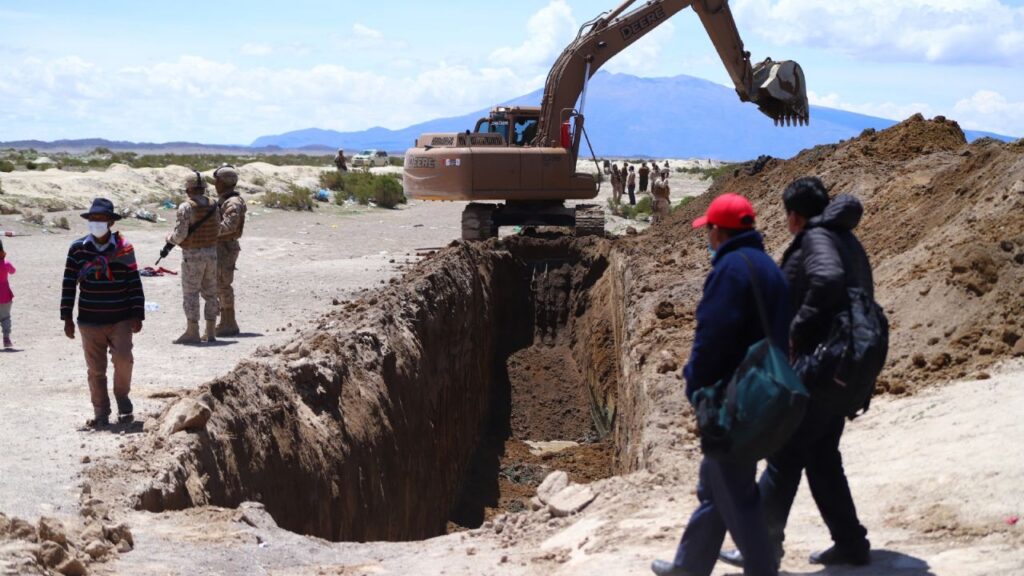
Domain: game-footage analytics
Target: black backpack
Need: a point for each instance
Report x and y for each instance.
(842, 370)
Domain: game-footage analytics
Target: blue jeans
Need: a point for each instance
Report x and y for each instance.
(729, 500)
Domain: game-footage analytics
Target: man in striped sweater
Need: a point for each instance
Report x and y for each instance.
(111, 307)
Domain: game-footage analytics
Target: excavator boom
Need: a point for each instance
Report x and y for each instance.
(527, 157)
(777, 88)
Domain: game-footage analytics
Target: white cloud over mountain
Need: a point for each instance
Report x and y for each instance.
(942, 31)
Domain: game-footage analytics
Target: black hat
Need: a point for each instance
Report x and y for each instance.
(101, 206)
(1, 245)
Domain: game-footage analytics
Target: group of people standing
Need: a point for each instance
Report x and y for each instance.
(625, 180)
(101, 270)
(208, 233)
(801, 300)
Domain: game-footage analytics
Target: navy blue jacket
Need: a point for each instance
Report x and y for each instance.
(727, 318)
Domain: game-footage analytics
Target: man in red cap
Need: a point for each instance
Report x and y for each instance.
(727, 325)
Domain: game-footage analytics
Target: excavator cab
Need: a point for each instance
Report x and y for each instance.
(517, 125)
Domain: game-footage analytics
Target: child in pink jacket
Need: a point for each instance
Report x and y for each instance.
(6, 296)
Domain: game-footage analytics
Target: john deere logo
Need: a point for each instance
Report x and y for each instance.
(642, 23)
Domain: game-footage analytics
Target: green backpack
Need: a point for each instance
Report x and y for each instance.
(752, 415)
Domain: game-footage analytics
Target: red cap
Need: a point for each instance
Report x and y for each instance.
(730, 211)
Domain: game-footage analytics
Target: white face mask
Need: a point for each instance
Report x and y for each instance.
(99, 229)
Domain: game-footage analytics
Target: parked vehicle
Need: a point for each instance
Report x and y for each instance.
(371, 158)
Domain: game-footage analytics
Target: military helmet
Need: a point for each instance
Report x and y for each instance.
(195, 181)
(226, 174)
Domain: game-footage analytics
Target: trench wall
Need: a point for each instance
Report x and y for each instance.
(360, 429)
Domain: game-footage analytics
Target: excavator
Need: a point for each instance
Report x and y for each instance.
(518, 166)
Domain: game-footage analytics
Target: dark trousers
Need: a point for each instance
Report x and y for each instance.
(729, 500)
(814, 448)
(632, 195)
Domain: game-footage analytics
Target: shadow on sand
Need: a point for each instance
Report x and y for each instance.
(882, 562)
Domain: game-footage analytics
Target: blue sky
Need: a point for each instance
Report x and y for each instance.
(231, 71)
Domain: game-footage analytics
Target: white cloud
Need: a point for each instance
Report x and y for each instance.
(256, 49)
(890, 110)
(549, 31)
(948, 31)
(554, 27)
(365, 32)
(989, 110)
(198, 99)
(985, 110)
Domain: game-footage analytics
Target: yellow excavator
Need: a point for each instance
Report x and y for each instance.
(526, 156)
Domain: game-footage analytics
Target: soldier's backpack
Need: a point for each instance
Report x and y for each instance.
(842, 370)
(753, 414)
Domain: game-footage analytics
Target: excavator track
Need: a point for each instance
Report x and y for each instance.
(589, 220)
(478, 222)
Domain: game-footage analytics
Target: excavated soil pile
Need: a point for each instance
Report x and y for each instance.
(399, 408)
(942, 226)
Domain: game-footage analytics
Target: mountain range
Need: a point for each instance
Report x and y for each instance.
(676, 117)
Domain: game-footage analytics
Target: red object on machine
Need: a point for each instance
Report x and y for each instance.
(566, 139)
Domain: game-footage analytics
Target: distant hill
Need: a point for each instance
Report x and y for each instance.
(84, 145)
(681, 117)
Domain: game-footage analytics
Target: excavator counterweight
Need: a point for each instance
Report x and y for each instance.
(526, 156)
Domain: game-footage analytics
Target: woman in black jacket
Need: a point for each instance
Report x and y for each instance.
(817, 276)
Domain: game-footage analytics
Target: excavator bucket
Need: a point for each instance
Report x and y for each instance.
(781, 93)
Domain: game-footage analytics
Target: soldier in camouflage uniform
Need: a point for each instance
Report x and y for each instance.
(198, 258)
(339, 161)
(232, 223)
(662, 203)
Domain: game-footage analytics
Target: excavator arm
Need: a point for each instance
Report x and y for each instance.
(777, 88)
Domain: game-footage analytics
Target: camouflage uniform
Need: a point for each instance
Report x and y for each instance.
(662, 205)
(232, 222)
(339, 161)
(199, 256)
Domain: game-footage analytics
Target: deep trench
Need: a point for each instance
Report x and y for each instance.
(416, 427)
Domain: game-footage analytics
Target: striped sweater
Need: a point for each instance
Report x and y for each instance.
(111, 289)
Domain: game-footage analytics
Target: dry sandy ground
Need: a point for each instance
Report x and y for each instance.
(936, 475)
(291, 268)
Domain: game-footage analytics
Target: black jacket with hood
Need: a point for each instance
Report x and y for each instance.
(816, 272)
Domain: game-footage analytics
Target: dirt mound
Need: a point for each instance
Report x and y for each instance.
(941, 226)
(910, 139)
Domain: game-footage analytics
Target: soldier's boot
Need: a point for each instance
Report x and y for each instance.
(191, 335)
(227, 326)
(210, 334)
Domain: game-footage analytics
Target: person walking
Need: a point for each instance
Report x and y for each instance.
(101, 267)
(728, 323)
(662, 199)
(232, 224)
(196, 228)
(339, 161)
(6, 296)
(822, 231)
(631, 186)
(616, 185)
(645, 175)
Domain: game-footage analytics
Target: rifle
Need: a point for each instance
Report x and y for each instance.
(168, 247)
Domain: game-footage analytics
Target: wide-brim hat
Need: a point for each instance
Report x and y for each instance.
(101, 207)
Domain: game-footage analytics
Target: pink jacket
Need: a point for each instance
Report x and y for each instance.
(6, 269)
